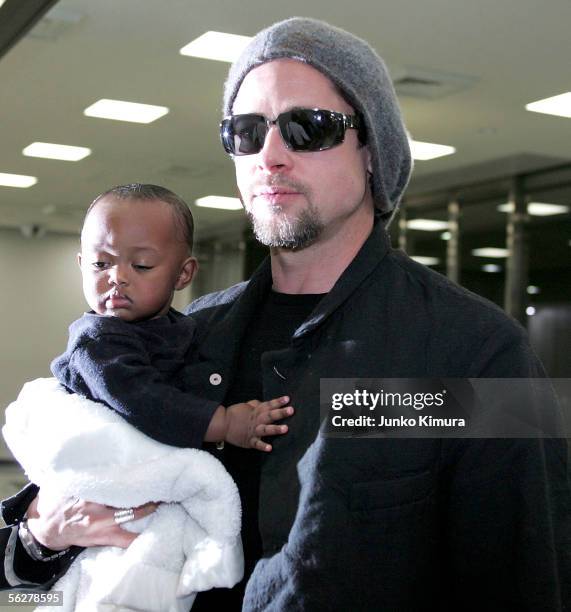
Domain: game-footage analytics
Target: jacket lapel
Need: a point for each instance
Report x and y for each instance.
(367, 259)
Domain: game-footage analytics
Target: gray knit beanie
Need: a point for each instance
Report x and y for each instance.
(354, 66)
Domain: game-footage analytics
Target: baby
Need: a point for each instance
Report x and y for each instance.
(138, 356)
(133, 351)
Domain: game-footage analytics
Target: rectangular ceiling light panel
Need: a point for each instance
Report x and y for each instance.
(493, 252)
(119, 110)
(17, 180)
(221, 202)
(556, 105)
(423, 151)
(425, 260)
(427, 225)
(538, 209)
(49, 150)
(216, 46)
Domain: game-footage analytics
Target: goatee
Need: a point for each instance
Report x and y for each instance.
(279, 231)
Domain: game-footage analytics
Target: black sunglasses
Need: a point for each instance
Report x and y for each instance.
(302, 129)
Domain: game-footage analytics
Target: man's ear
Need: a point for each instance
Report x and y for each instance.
(368, 159)
(79, 260)
(187, 272)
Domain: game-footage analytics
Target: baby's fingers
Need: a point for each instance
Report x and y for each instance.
(263, 430)
(276, 414)
(278, 402)
(270, 430)
(273, 410)
(260, 445)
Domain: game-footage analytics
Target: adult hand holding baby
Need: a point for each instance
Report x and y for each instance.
(58, 524)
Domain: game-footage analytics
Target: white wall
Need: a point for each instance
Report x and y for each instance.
(40, 296)
(221, 264)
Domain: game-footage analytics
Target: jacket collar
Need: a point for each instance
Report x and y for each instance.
(224, 338)
(367, 259)
(244, 309)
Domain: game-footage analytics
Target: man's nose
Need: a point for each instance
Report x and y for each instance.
(274, 155)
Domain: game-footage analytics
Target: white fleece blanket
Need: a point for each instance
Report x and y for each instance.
(78, 448)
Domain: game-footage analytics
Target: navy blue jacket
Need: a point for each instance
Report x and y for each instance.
(141, 370)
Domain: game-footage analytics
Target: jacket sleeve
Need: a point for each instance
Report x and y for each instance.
(508, 505)
(18, 570)
(116, 369)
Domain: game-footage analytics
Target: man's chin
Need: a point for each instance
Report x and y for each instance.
(279, 231)
(287, 240)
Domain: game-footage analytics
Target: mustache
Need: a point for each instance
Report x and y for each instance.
(280, 182)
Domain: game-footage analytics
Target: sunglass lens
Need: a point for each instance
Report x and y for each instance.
(310, 130)
(243, 134)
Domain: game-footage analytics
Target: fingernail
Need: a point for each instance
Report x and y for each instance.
(285, 399)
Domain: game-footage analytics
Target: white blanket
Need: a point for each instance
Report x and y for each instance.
(78, 448)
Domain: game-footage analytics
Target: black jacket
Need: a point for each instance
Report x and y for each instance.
(388, 524)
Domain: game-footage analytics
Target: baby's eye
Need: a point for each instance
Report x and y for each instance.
(100, 265)
(141, 267)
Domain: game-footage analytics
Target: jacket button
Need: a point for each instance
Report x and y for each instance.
(215, 379)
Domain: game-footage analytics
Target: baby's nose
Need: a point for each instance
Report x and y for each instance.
(118, 275)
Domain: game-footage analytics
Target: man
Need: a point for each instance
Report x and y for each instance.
(362, 523)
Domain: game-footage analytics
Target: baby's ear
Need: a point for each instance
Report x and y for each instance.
(79, 259)
(187, 272)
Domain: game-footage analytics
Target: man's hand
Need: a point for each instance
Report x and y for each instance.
(248, 422)
(59, 524)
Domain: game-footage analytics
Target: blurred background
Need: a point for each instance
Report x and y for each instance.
(487, 82)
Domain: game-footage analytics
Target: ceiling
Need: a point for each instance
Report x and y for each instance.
(504, 55)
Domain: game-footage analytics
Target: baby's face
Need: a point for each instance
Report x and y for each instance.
(132, 259)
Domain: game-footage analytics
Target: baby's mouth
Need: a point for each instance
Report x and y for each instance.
(118, 300)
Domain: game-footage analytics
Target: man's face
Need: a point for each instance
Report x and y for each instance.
(132, 258)
(295, 199)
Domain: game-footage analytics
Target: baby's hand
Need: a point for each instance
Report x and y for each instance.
(249, 422)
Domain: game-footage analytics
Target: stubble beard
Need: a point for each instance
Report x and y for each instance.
(278, 230)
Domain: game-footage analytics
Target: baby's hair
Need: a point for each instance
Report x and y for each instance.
(143, 191)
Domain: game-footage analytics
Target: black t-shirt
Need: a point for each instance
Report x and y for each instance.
(280, 315)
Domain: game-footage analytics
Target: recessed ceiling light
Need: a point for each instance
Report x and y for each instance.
(491, 268)
(556, 105)
(427, 225)
(119, 110)
(216, 46)
(424, 151)
(530, 311)
(17, 180)
(445, 236)
(56, 151)
(492, 252)
(221, 202)
(537, 209)
(426, 261)
(533, 290)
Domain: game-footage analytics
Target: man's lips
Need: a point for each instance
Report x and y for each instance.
(276, 196)
(269, 191)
